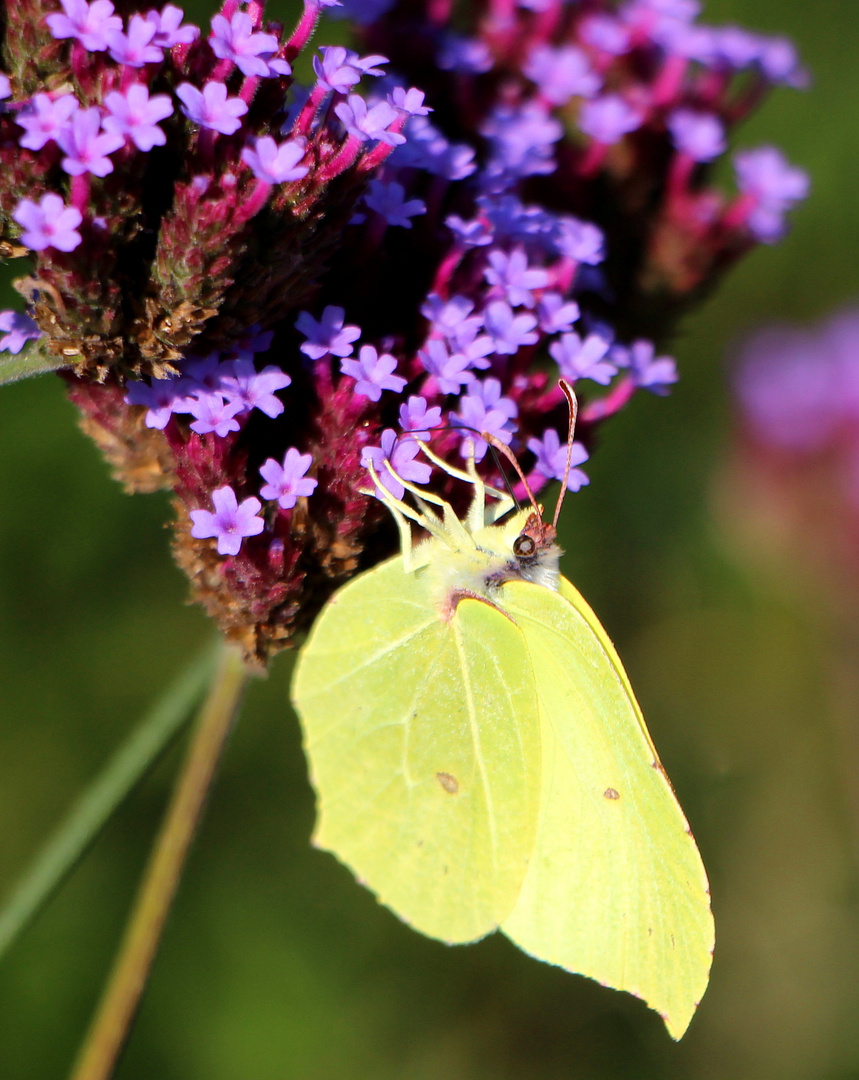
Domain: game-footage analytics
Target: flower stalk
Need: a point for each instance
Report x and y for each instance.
(112, 1023)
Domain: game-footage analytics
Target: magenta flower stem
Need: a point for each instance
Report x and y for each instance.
(381, 150)
(303, 30)
(305, 118)
(116, 1012)
(80, 190)
(249, 88)
(613, 402)
(255, 201)
(340, 161)
(669, 81)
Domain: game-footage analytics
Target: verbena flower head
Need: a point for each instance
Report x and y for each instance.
(254, 288)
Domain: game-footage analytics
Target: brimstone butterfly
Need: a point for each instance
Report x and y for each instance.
(481, 763)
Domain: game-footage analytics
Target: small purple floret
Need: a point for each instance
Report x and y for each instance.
(230, 523)
(287, 482)
(401, 453)
(608, 118)
(48, 223)
(135, 115)
(389, 200)
(328, 335)
(18, 329)
(275, 163)
(234, 39)
(86, 146)
(256, 389)
(365, 124)
(87, 23)
(700, 135)
(583, 359)
(373, 373)
(136, 48)
(211, 108)
(44, 117)
(484, 409)
(168, 28)
(551, 456)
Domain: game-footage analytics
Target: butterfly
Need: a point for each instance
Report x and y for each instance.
(480, 760)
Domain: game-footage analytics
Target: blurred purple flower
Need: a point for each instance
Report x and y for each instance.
(48, 223)
(388, 198)
(135, 115)
(276, 163)
(514, 277)
(773, 185)
(698, 134)
(18, 329)
(168, 31)
(136, 48)
(234, 39)
(551, 455)
(561, 73)
(44, 117)
(607, 119)
(85, 145)
(365, 124)
(211, 108)
(583, 359)
(87, 23)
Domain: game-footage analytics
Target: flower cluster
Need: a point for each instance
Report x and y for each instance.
(255, 287)
(796, 454)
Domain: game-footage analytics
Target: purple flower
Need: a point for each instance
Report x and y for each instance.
(168, 31)
(256, 389)
(509, 332)
(135, 115)
(522, 140)
(211, 108)
(361, 12)
(608, 118)
(389, 200)
(556, 314)
(465, 55)
(514, 277)
(287, 482)
(586, 359)
(474, 233)
(409, 101)
(328, 335)
(235, 40)
(579, 240)
(551, 462)
(86, 147)
(452, 318)
(163, 398)
(364, 124)
(338, 69)
(373, 373)
(452, 372)
(773, 185)
(48, 223)
(648, 371)
(700, 135)
(561, 73)
(136, 48)
(44, 117)
(87, 23)
(275, 163)
(605, 33)
(484, 409)
(230, 522)
(213, 413)
(18, 329)
(401, 454)
(416, 419)
(5, 87)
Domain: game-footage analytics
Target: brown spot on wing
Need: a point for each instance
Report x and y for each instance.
(448, 782)
(611, 793)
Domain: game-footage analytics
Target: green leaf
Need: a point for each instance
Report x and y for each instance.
(105, 794)
(32, 360)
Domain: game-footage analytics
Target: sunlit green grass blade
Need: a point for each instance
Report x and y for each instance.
(105, 794)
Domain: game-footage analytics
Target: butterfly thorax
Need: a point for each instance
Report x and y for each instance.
(521, 549)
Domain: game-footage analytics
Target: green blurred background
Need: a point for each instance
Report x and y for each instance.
(276, 965)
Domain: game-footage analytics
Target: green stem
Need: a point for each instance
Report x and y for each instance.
(70, 841)
(118, 1007)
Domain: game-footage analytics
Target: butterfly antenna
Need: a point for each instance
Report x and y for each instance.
(502, 448)
(572, 401)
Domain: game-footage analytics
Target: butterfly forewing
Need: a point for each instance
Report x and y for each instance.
(423, 737)
(616, 889)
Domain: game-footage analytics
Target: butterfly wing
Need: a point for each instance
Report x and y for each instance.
(423, 739)
(616, 889)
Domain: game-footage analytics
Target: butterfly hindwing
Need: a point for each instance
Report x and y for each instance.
(423, 736)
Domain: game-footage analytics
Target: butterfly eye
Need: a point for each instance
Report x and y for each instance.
(524, 546)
